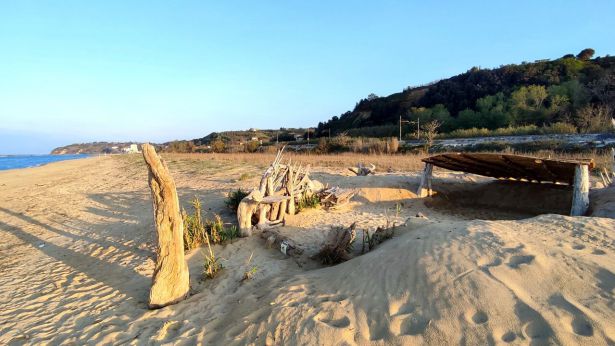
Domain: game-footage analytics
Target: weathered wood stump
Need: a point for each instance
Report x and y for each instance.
(170, 282)
(337, 247)
(245, 210)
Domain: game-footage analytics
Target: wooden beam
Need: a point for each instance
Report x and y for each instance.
(580, 191)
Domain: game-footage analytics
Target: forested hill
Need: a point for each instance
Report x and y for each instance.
(574, 91)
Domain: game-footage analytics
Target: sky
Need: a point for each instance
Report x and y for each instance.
(82, 71)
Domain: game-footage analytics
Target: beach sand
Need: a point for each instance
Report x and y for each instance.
(483, 267)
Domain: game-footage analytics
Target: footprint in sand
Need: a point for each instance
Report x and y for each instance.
(508, 337)
(536, 330)
(414, 325)
(516, 261)
(477, 317)
(578, 246)
(598, 252)
(342, 322)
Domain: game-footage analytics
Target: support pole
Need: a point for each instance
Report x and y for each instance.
(170, 282)
(425, 186)
(580, 191)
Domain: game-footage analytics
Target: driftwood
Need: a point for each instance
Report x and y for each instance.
(580, 191)
(424, 189)
(170, 282)
(337, 247)
(246, 209)
(363, 170)
(286, 245)
(280, 189)
(332, 198)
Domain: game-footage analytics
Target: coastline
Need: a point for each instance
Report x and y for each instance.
(13, 162)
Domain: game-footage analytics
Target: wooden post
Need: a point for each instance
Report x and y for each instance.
(424, 189)
(580, 191)
(170, 282)
(290, 190)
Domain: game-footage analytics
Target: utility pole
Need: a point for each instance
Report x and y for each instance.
(329, 134)
(276, 138)
(402, 122)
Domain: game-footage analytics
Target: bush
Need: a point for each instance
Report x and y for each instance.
(212, 264)
(234, 198)
(308, 201)
(194, 229)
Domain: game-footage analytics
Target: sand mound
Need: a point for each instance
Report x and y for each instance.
(383, 194)
(544, 280)
(602, 202)
(76, 259)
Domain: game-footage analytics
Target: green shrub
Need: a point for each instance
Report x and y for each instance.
(194, 228)
(212, 264)
(234, 198)
(308, 201)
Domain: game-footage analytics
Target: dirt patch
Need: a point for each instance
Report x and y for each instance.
(500, 199)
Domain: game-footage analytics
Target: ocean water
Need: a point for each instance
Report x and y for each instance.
(23, 161)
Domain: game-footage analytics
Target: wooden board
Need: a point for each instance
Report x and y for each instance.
(508, 166)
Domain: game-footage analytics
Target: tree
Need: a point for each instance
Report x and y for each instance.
(430, 129)
(372, 97)
(217, 146)
(586, 54)
(252, 146)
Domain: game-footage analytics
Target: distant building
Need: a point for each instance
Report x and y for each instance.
(133, 148)
(254, 139)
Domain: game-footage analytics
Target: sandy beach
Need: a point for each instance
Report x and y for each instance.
(489, 263)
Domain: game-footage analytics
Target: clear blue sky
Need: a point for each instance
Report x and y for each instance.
(77, 71)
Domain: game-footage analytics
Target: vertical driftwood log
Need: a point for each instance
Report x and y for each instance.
(170, 282)
(245, 210)
(290, 190)
(425, 186)
(580, 191)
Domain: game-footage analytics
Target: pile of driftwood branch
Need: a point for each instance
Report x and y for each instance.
(363, 170)
(338, 246)
(333, 197)
(281, 187)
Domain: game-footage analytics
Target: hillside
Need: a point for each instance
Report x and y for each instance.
(92, 148)
(577, 91)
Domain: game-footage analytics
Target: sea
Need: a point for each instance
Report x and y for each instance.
(24, 161)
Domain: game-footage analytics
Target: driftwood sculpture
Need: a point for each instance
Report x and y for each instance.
(338, 246)
(280, 189)
(362, 170)
(332, 198)
(170, 282)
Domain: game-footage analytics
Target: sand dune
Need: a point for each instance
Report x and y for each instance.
(76, 259)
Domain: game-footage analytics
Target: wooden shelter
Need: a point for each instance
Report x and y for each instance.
(516, 167)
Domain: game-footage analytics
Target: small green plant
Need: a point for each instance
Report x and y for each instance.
(212, 264)
(244, 176)
(398, 207)
(249, 274)
(234, 198)
(229, 233)
(308, 201)
(194, 229)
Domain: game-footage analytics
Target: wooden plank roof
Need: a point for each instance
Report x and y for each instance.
(508, 166)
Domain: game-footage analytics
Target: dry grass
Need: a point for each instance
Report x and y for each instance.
(405, 162)
(384, 162)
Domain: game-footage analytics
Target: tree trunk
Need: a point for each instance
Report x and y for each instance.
(170, 282)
